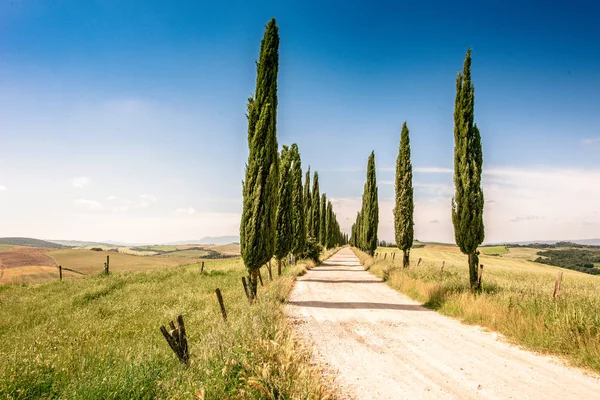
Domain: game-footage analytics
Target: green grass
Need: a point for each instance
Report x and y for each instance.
(99, 337)
(494, 250)
(516, 299)
(6, 247)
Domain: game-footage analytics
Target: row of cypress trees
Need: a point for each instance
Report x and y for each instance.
(364, 229)
(468, 202)
(279, 215)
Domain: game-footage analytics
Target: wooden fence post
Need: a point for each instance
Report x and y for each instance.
(202, 267)
(557, 285)
(442, 270)
(384, 256)
(419, 262)
(106, 265)
(221, 304)
(393, 256)
(177, 340)
(60, 272)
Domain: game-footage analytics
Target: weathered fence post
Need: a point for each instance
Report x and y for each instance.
(177, 340)
(221, 304)
(557, 285)
(106, 265)
(442, 269)
(384, 256)
(202, 267)
(419, 262)
(60, 272)
(393, 256)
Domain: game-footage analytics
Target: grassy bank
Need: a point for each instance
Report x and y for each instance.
(99, 337)
(516, 299)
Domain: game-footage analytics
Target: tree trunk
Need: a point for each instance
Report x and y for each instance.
(278, 267)
(473, 271)
(406, 258)
(253, 283)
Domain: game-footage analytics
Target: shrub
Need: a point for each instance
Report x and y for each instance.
(312, 250)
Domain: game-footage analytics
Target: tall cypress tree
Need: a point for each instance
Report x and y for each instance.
(298, 205)
(257, 226)
(370, 208)
(307, 203)
(404, 210)
(316, 211)
(330, 223)
(283, 225)
(467, 203)
(322, 238)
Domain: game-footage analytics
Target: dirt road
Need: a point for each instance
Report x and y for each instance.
(382, 345)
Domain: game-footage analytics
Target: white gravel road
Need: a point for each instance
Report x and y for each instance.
(382, 345)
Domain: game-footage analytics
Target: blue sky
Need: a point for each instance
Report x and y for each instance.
(126, 120)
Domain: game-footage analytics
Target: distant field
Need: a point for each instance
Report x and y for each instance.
(6, 247)
(34, 273)
(92, 262)
(494, 250)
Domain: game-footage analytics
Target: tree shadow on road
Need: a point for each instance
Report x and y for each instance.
(358, 305)
(341, 281)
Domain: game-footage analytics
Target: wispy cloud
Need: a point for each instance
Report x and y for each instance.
(146, 200)
(526, 218)
(118, 204)
(80, 182)
(89, 205)
(595, 140)
(186, 211)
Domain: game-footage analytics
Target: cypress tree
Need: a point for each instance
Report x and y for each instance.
(298, 205)
(404, 209)
(330, 234)
(283, 225)
(307, 203)
(371, 209)
(322, 238)
(467, 203)
(257, 226)
(316, 211)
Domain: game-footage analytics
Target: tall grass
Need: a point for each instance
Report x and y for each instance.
(98, 337)
(516, 300)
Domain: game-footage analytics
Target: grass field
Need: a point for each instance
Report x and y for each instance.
(6, 247)
(98, 338)
(516, 299)
(23, 275)
(494, 250)
(92, 262)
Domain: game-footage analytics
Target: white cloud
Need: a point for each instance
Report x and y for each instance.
(118, 204)
(80, 182)
(591, 140)
(521, 204)
(146, 200)
(186, 211)
(2, 188)
(89, 205)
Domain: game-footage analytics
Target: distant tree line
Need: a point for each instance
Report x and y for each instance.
(575, 259)
(556, 245)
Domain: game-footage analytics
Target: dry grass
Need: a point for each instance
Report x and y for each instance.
(516, 299)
